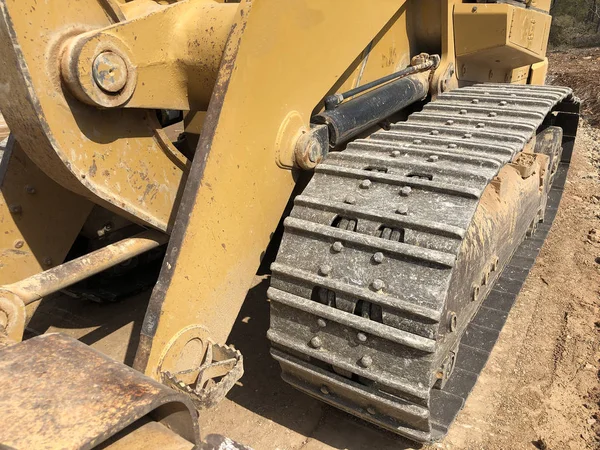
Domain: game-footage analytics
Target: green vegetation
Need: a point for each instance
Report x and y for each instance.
(576, 23)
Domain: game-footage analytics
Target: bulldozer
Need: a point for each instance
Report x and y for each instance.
(408, 151)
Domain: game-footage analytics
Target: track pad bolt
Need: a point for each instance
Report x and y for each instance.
(366, 361)
(452, 322)
(365, 184)
(325, 270)
(351, 200)
(433, 158)
(371, 410)
(321, 323)
(402, 210)
(378, 284)
(378, 258)
(337, 246)
(316, 342)
(475, 293)
(395, 153)
(362, 337)
(324, 390)
(405, 191)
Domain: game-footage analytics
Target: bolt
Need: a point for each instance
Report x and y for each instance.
(337, 246)
(405, 191)
(402, 210)
(316, 342)
(15, 209)
(395, 153)
(453, 321)
(362, 337)
(366, 361)
(324, 390)
(481, 125)
(365, 184)
(475, 101)
(493, 114)
(350, 199)
(495, 264)
(450, 122)
(503, 103)
(371, 410)
(435, 132)
(30, 189)
(378, 258)
(321, 323)
(463, 111)
(417, 141)
(378, 284)
(485, 279)
(475, 293)
(468, 136)
(48, 261)
(325, 270)
(474, 9)
(433, 158)
(19, 243)
(110, 72)
(452, 146)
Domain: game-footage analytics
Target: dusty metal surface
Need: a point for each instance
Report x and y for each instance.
(394, 245)
(39, 219)
(118, 159)
(60, 394)
(498, 42)
(236, 191)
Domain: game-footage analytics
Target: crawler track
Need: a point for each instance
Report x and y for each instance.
(366, 269)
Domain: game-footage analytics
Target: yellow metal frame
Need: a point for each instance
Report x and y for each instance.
(236, 192)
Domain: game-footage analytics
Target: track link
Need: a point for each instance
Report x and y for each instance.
(360, 287)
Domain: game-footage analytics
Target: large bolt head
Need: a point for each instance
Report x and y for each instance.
(110, 72)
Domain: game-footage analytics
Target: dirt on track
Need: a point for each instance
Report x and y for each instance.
(540, 388)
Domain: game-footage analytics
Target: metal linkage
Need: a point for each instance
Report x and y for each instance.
(420, 63)
(13, 297)
(371, 291)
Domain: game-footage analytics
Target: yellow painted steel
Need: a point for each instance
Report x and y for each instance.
(178, 72)
(236, 192)
(499, 42)
(539, 72)
(39, 219)
(115, 158)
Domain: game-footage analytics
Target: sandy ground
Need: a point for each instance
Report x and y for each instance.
(540, 388)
